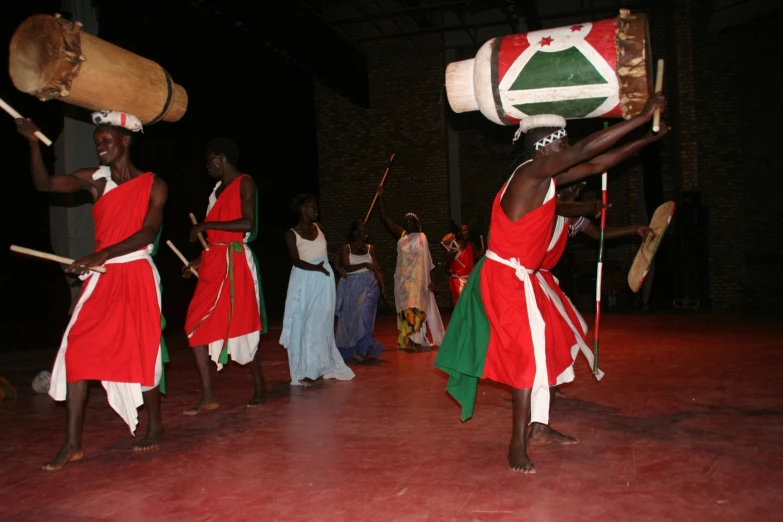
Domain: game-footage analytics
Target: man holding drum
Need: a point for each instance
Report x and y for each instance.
(114, 335)
(505, 327)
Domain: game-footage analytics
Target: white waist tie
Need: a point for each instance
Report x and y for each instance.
(580, 343)
(124, 398)
(539, 396)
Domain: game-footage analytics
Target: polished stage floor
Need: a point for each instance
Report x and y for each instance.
(686, 425)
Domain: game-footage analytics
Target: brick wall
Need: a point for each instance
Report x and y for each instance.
(405, 118)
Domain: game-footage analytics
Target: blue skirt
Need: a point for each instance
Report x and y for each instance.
(308, 326)
(357, 303)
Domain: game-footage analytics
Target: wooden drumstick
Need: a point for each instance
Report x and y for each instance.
(376, 192)
(182, 258)
(483, 248)
(200, 236)
(658, 88)
(52, 257)
(10, 110)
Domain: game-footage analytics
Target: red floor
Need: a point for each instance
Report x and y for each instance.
(685, 426)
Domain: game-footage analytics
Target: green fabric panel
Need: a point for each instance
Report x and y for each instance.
(464, 349)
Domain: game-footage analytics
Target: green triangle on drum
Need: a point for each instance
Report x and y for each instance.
(567, 108)
(558, 69)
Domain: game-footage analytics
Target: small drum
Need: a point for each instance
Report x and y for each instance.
(450, 243)
(596, 69)
(646, 254)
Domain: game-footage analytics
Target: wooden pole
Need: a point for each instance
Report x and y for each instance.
(658, 88)
(181, 257)
(52, 257)
(10, 110)
(391, 160)
(600, 267)
(200, 236)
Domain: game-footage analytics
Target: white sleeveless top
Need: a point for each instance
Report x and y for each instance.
(357, 260)
(309, 250)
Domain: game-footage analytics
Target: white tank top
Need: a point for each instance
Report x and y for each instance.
(357, 260)
(309, 250)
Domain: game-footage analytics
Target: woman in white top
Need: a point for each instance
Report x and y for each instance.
(308, 321)
(357, 297)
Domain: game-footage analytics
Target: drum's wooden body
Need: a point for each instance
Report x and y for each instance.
(588, 70)
(50, 58)
(646, 254)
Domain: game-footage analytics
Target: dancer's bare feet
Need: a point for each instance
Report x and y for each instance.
(306, 382)
(357, 357)
(560, 393)
(149, 441)
(203, 405)
(542, 434)
(257, 400)
(66, 454)
(518, 460)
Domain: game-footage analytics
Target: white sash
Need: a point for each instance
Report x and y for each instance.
(539, 397)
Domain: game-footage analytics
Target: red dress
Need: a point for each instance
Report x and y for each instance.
(459, 271)
(211, 316)
(116, 333)
(511, 355)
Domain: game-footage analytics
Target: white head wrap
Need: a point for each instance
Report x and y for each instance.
(539, 121)
(117, 119)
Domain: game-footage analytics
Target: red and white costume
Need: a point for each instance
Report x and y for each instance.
(527, 333)
(227, 273)
(115, 330)
(578, 327)
(459, 270)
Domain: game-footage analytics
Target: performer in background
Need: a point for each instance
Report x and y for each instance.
(417, 311)
(224, 316)
(308, 320)
(357, 296)
(460, 262)
(569, 221)
(505, 327)
(114, 335)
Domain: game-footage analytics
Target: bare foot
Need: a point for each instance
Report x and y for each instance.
(64, 456)
(518, 460)
(149, 441)
(560, 393)
(370, 357)
(203, 405)
(542, 434)
(306, 382)
(358, 357)
(257, 400)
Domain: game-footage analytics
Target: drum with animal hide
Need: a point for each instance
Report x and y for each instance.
(51, 58)
(596, 69)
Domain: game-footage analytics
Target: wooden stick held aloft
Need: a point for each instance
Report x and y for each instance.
(181, 257)
(658, 88)
(52, 257)
(391, 160)
(200, 236)
(10, 110)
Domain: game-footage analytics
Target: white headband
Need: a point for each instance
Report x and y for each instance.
(117, 119)
(548, 140)
(411, 214)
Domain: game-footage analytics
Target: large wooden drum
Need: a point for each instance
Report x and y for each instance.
(50, 58)
(597, 69)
